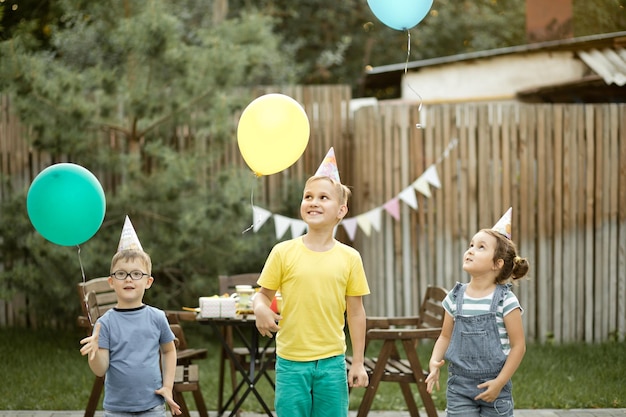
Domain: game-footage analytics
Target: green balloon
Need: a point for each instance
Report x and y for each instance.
(66, 204)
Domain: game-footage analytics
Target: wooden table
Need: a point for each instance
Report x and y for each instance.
(244, 329)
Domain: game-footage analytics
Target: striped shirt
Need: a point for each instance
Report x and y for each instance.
(477, 306)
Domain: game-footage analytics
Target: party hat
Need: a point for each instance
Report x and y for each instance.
(328, 167)
(129, 239)
(503, 226)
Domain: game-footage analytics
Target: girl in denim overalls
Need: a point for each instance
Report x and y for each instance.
(482, 335)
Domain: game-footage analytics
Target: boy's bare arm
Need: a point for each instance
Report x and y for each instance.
(357, 377)
(168, 357)
(98, 359)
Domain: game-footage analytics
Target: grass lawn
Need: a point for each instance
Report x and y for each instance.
(43, 370)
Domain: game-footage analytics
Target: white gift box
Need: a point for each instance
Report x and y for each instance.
(217, 307)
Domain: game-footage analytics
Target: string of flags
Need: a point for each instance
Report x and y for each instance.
(367, 221)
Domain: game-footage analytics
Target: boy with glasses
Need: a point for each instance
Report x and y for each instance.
(126, 340)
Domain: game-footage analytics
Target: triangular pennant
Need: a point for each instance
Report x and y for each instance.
(350, 226)
(281, 224)
(432, 177)
(393, 207)
(128, 238)
(422, 186)
(408, 196)
(328, 167)
(364, 224)
(259, 217)
(374, 218)
(298, 227)
(503, 226)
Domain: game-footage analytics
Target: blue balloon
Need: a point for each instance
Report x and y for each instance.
(66, 204)
(400, 14)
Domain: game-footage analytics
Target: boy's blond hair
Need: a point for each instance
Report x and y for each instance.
(343, 192)
(130, 255)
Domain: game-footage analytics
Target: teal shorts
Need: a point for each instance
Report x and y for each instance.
(312, 389)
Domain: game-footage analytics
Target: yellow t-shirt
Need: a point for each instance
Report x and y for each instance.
(314, 286)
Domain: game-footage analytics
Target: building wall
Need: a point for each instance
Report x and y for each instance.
(497, 78)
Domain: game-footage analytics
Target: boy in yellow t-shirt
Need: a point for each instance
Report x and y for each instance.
(320, 280)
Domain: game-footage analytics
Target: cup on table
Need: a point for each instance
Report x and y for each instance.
(244, 294)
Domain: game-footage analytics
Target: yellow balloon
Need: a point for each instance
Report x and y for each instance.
(272, 133)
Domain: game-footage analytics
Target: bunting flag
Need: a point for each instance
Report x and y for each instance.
(259, 217)
(281, 225)
(298, 227)
(431, 177)
(350, 226)
(422, 186)
(365, 221)
(364, 224)
(393, 207)
(408, 196)
(374, 217)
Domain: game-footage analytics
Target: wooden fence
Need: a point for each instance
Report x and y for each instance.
(559, 166)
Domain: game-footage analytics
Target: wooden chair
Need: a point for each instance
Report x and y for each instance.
(227, 285)
(389, 365)
(97, 297)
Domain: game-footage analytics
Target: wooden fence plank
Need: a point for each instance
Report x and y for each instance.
(526, 216)
(589, 223)
(581, 206)
(568, 242)
(621, 224)
(557, 220)
(613, 190)
(544, 159)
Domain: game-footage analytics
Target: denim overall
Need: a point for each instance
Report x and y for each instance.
(474, 356)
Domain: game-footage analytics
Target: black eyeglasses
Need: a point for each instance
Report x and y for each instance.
(135, 275)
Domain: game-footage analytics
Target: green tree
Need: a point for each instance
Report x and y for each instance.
(144, 93)
(600, 16)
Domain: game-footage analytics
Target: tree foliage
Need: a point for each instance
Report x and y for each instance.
(143, 93)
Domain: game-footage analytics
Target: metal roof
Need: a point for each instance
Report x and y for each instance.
(608, 63)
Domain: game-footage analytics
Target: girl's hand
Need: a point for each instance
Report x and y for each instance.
(492, 391)
(432, 380)
(166, 393)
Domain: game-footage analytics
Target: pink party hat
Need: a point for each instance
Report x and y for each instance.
(129, 239)
(328, 167)
(503, 226)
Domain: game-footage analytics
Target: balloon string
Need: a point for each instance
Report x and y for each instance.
(251, 205)
(406, 68)
(82, 272)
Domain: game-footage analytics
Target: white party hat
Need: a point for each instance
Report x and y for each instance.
(328, 167)
(503, 226)
(129, 239)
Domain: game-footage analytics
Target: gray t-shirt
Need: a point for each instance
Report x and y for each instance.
(133, 338)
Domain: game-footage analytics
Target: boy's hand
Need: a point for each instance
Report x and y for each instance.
(167, 394)
(266, 320)
(91, 343)
(357, 376)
